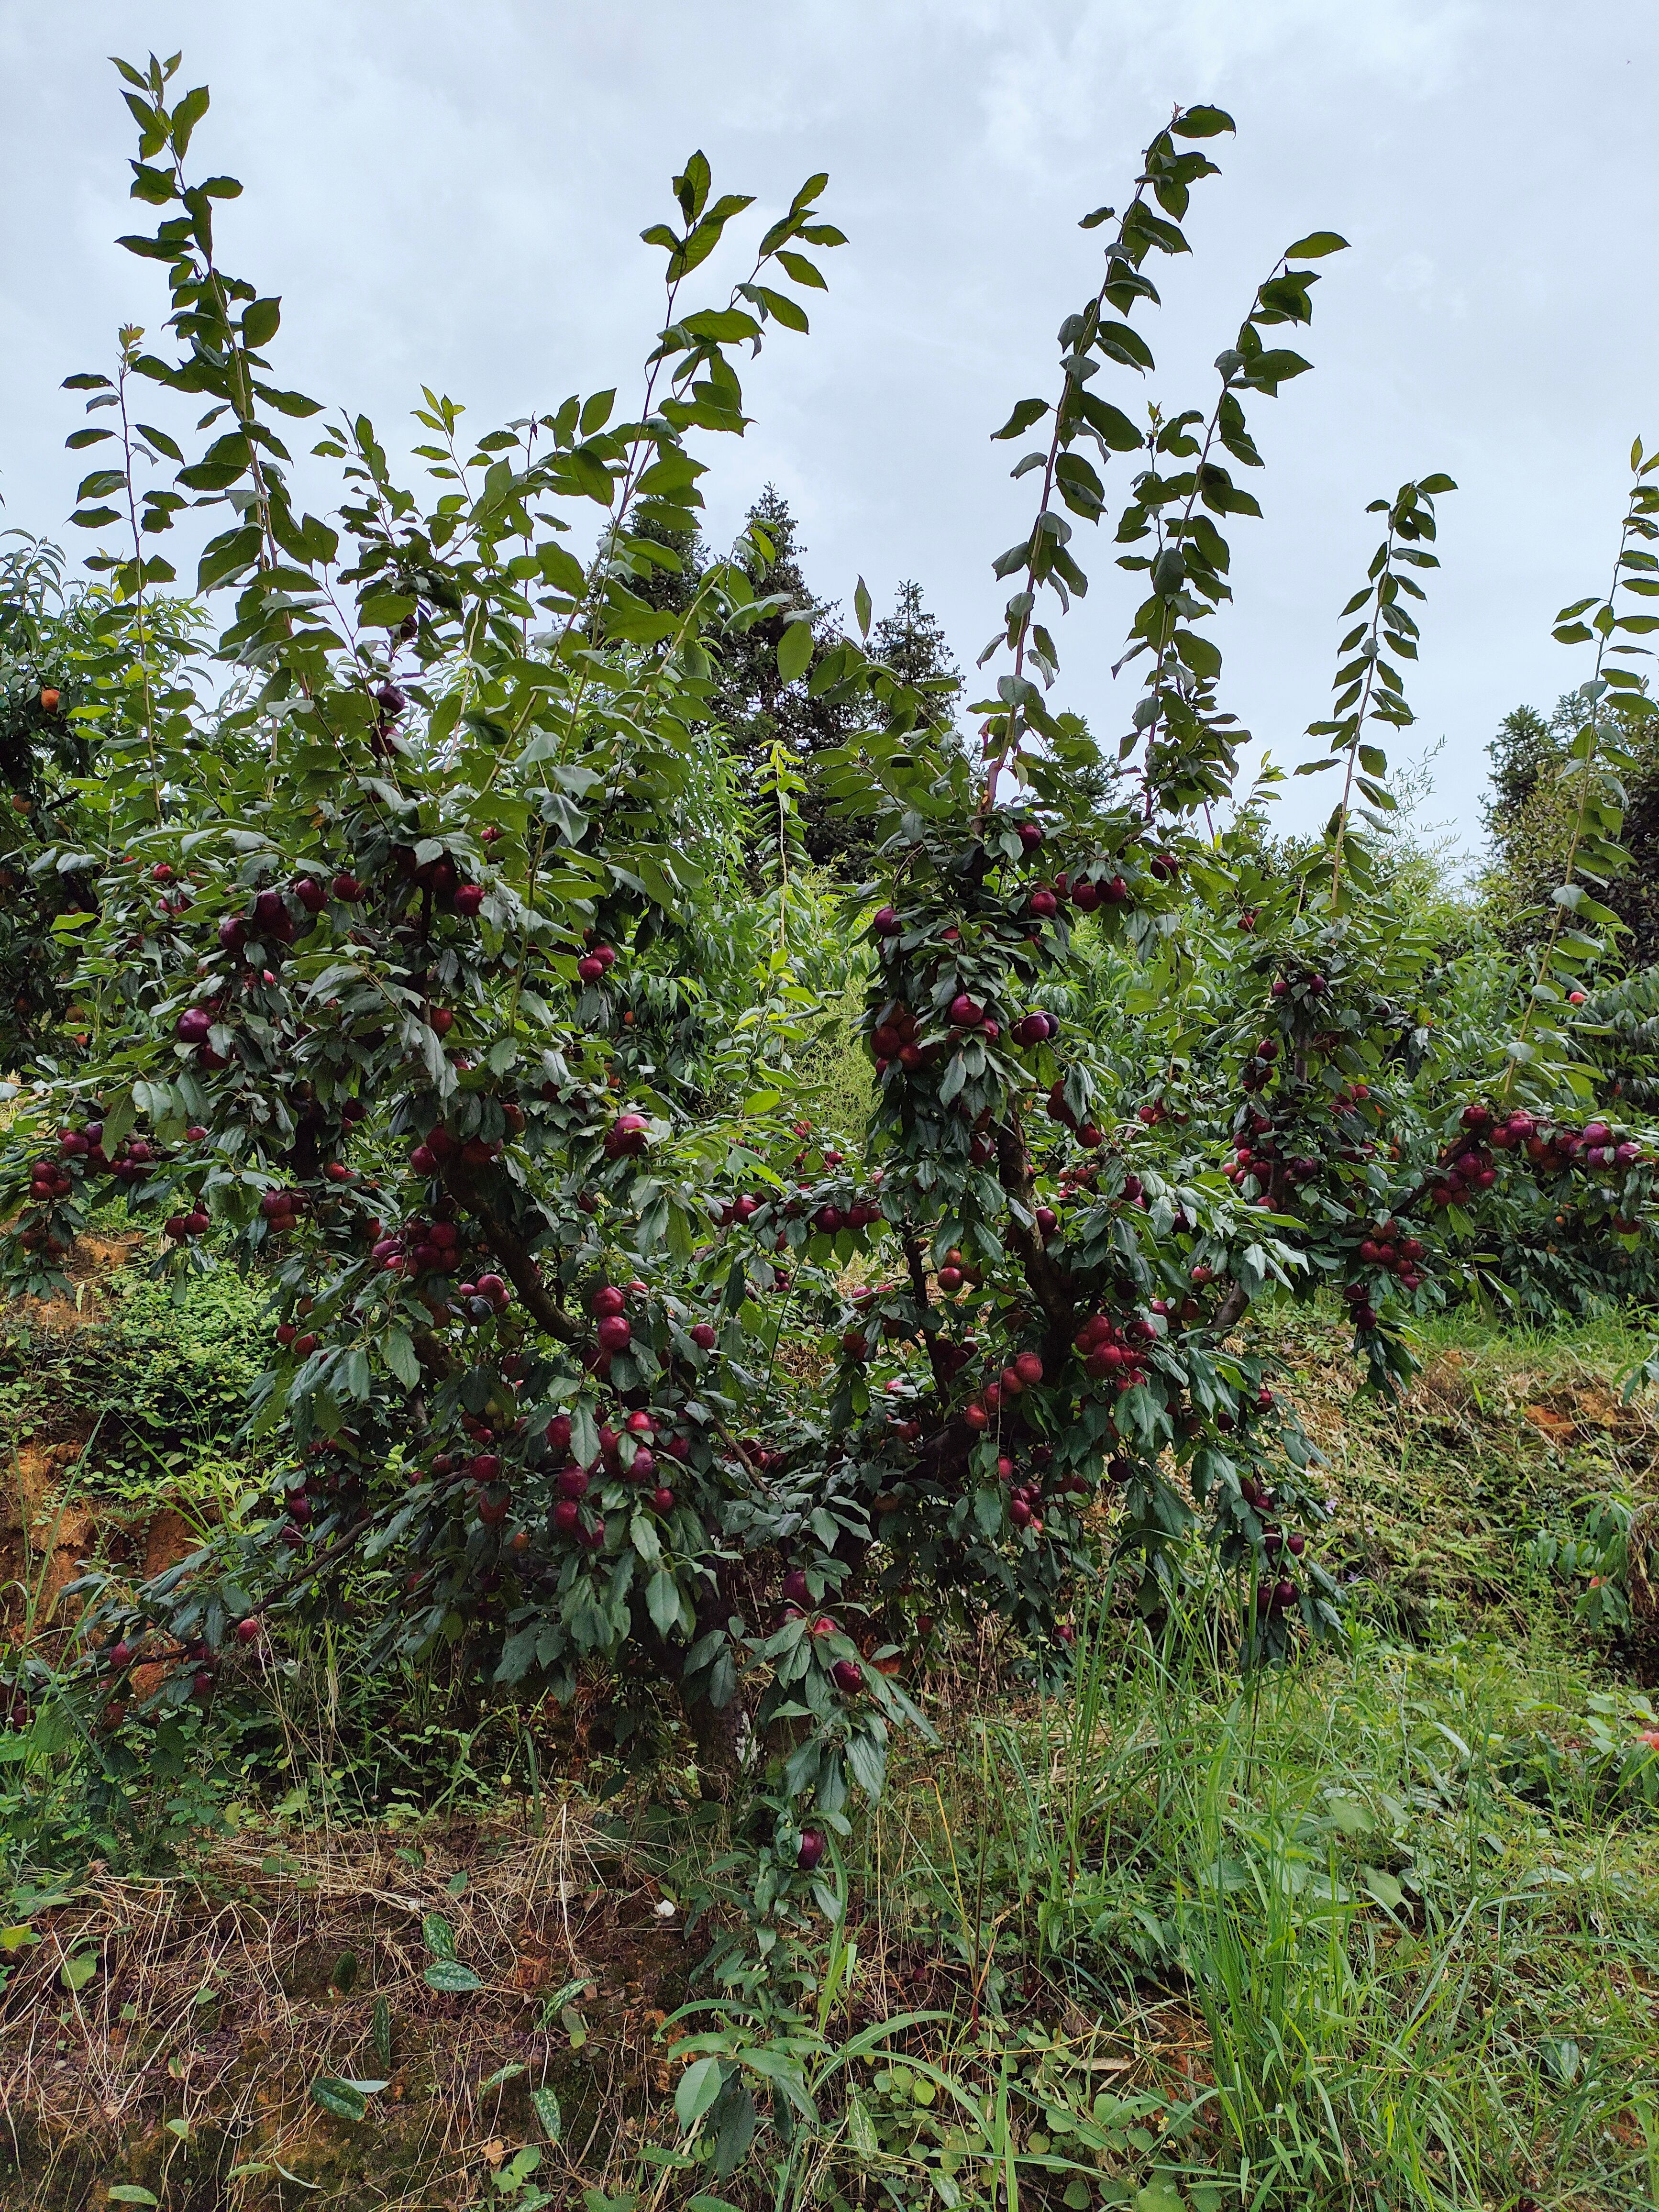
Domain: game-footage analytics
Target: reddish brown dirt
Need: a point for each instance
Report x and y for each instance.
(45, 1542)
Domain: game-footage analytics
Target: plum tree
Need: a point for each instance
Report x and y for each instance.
(373, 920)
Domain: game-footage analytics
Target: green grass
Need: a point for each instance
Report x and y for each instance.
(1377, 1933)
(1398, 1915)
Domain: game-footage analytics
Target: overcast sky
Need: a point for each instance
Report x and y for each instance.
(453, 193)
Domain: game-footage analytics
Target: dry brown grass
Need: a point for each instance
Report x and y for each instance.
(216, 2001)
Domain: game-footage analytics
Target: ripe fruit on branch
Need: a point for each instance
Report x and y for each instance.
(626, 1137)
(808, 1852)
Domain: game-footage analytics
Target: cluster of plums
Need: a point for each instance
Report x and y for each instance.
(1025, 1493)
(847, 1675)
(596, 964)
(1274, 1596)
(1088, 1133)
(324, 1486)
(1554, 1146)
(1112, 1351)
(1023, 1372)
(893, 1039)
(439, 876)
(438, 1145)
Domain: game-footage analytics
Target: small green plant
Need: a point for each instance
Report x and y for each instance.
(1595, 1561)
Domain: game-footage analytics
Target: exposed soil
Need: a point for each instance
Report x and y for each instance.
(44, 1541)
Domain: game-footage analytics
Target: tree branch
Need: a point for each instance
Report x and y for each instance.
(514, 1254)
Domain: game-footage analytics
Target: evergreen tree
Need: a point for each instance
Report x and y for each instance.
(913, 643)
(1530, 816)
(757, 709)
(1522, 751)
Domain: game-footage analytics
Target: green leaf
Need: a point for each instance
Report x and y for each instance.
(1026, 411)
(662, 1600)
(698, 2087)
(795, 649)
(781, 307)
(860, 2128)
(861, 606)
(186, 116)
(384, 610)
(1384, 1887)
(546, 2105)
(160, 441)
(343, 2099)
(1315, 245)
(129, 2192)
(453, 1977)
(643, 1536)
(439, 1935)
(584, 1432)
(1113, 424)
(867, 1760)
(79, 1971)
(400, 1357)
(1202, 123)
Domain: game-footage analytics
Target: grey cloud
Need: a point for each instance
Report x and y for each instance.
(453, 196)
